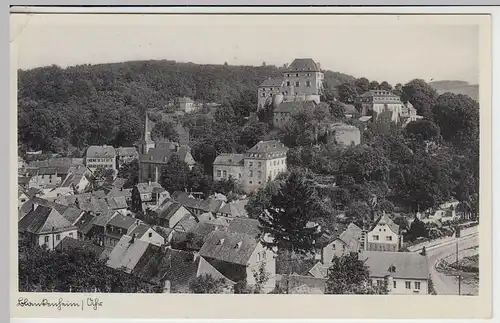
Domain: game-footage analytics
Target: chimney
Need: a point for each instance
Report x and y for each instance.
(133, 239)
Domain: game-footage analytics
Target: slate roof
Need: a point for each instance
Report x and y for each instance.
(116, 192)
(101, 152)
(231, 247)
(42, 220)
(117, 203)
(229, 159)
(292, 106)
(167, 209)
(268, 146)
(103, 219)
(245, 226)
(211, 204)
(147, 188)
(69, 243)
(127, 151)
(186, 200)
(157, 155)
(86, 222)
(303, 64)
(126, 254)
(409, 265)
(122, 221)
(272, 82)
(235, 209)
(140, 230)
(385, 219)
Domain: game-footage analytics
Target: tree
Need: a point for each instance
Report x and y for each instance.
(359, 212)
(385, 86)
(130, 172)
(385, 206)
(422, 130)
(292, 209)
(261, 277)
(347, 93)
(207, 284)
(374, 85)
(266, 114)
(421, 95)
(101, 179)
(337, 110)
(417, 229)
(259, 201)
(174, 175)
(226, 186)
(165, 129)
(349, 275)
(362, 85)
(198, 181)
(136, 201)
(225, 115)
(252, 133)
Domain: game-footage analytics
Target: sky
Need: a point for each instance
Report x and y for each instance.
(395, 51)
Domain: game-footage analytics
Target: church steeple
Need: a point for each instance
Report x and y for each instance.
(146, 142)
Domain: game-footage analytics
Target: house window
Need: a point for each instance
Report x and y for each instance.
(259, 164)
(58, 237)
(408, 285)
(333, 246)
(308, 83)
(297, 84)
(388, 238)
(249, 182)
(260, 182)
(263, 255)
(218, 173)
(297, 75)
(288, 75)
(46, 239)
(263, 94)
(150, 234)
(259, 174)
(288, 83)
(417, 285)
(251, 173)
(224, 173)
(379, 283)
(71, 234)
(394, 284)
(375, 237)
(250, 164)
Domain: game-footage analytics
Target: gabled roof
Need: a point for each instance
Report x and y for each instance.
(235, 209)
(167, 209)
(122, 221)
(117, 203)
(101, 152)
(385, 219)
(303, 64)
(408, 265)
(272, 82)
(85, 223)
(147, 188)
(229, 159)
(268, 146)
(158, 155)
(229, 247)
(245, 226)
(140, 230)
(44, 219)
(117, 192)
(103, 219)
(186, 200)
(211, 204)
(127, 151)
(69, 243)
(185, 100)
(319, 270)
(126, 255)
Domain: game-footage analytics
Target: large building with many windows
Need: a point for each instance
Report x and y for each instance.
(302, 80)
(260, 164)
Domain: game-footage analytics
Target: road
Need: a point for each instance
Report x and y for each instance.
(443, 284)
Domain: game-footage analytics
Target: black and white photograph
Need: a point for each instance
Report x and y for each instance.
(243, 154)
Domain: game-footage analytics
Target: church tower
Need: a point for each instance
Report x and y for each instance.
(146, 141)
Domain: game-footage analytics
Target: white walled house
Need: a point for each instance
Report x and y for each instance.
(347, 242)
(101, 156)
(145, 233)
(384, 235)
(406, 273)
(45, 226)
(170, 213)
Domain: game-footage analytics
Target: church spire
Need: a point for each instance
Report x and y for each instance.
(146, 126)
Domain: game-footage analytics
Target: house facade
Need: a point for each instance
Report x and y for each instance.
(146, 233)
(342, 134)
(384, 235)
(405, 273)
(345, 243)
(126, 155)
(101, 156)
(186, 105)
(260, 164)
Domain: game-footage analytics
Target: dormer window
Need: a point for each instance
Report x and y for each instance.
(220, 242)
(238, 245)
(392, 269)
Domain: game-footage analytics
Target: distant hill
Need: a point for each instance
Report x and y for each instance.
(457, 87)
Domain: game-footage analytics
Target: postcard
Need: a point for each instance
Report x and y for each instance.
(251, 163)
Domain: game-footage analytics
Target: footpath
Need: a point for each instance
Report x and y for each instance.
(443, 241)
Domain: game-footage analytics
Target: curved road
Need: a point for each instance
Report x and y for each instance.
(443, 284)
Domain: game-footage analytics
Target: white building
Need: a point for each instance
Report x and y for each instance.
(384, 235)
(101, 156)
(406, 273)
(260, 164)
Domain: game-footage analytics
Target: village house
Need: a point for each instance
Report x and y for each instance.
(121, 192)
(234, 209)
(126, 155)
(384, 235)
(76, 179)
(152, 163)
(405, 273)
(42, 177)
(198, 206)
(237, 253)
(152, 194)
(170, 213)
(283, 111)
(186, 105)
(116, 227)
(342, 244)
(229, 166)
(101, 156)
(260, 164)
(45, 226)
(144, 232)
(127, 253)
